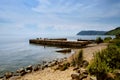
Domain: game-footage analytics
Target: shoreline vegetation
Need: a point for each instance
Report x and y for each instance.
(93, 62)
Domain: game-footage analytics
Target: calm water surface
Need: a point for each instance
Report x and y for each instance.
(17, 52)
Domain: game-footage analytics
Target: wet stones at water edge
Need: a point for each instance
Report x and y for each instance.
(36, 67)
(44, 62)
(21, 72)
(31, 68)
(8, 75)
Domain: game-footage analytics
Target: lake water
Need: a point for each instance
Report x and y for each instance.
(16, 52)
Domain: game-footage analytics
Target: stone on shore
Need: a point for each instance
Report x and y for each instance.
(36, 67)
(85, 63)
(29, 68)
(8, 75)
(21, 71)
(75, 76)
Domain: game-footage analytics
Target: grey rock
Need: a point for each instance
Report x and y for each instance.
(36, 68)
(21, 71)
(29, 68)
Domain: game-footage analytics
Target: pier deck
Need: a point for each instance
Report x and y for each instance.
(63, 43)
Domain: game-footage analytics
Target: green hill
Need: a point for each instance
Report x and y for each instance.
(113, 32)
(91, 32)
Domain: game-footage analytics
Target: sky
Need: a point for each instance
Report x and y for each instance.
(57, 17)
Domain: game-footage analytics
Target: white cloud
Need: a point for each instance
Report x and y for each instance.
(60, 6)
(81, 9)
(59, 16)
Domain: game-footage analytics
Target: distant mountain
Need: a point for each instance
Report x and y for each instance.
(113, 32)
(91, 32)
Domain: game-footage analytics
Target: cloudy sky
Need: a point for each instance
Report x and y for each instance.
(66, 17)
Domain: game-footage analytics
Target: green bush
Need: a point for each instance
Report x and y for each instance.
(105, 61)
(98, 66)
(99, 40)
(116, 42)
(107, 39)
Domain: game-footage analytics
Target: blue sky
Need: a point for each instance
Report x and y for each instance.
(66, 17)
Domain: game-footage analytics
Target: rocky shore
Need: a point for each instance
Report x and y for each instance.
(58, 69)
(31, 68)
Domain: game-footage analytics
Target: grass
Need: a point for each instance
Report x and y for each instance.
(77, 60)
(107, 39)
(106, 61)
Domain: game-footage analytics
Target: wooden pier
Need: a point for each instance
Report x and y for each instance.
(59, 42)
